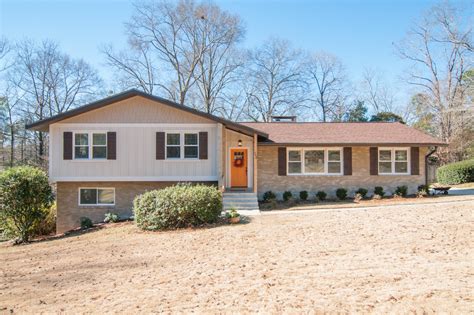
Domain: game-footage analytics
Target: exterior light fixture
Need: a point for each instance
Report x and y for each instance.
(240, 143)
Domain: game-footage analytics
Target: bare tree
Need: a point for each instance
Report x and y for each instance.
(48, 82)
(438, 66)
(376, 91)
(136, 66)
(174, 30)
(274, 82)
(216, 70)
(327, 80)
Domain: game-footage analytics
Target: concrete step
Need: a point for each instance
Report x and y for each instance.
(241, 201)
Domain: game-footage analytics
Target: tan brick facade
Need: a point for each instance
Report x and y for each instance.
(69, 211)
(268, 178)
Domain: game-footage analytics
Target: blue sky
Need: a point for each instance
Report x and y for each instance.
(361, 33)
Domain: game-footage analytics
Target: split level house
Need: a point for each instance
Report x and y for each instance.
(103, 154)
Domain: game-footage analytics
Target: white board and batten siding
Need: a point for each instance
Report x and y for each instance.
(136, 122)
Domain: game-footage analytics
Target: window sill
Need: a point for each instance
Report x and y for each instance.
(182, 160)
(91, 160)
(393, 174)
(322, 174)
(99, 205)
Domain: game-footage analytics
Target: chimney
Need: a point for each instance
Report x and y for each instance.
(283, 118)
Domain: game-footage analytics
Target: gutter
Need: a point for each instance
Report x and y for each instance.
(426, 163)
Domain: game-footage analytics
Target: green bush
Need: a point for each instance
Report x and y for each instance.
(304, 195)
(268, 196)
(401, 191)
(378, 190)
(111, 217)
(287, 195)
(177, 206)
(86, 223)
(362, 191)
(321, 195)
(24, 194)
(341, 193)
(456, 173)
(47, 225)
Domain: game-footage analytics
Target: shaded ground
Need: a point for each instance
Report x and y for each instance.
(399, 259)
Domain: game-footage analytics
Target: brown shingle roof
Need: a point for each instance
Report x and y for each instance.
(371, 133)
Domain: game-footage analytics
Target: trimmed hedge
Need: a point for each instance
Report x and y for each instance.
(24, 195)
(177, 206)
(456, 173)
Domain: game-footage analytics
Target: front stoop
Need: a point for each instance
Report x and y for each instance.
(246, 203)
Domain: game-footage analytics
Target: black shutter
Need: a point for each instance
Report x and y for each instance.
(415, 160)
(281, 161)
(111, 145)
(67, 145)
(374, 161)
(203, 145)
(160, 146)
(347, 160)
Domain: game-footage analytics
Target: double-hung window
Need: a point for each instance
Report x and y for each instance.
(191, 147)
(314, 161)
(173, 145)
(96, 196)
(90, 145)
(393, 161)
(182, 145)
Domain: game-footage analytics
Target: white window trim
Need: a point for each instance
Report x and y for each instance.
(326, 155)
(181, 145)
(96, 204)
(89, 144)
(392, 160)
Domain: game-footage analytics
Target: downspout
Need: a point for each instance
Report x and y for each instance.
(426, 163)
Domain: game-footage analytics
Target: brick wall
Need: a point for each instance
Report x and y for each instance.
(69, 211)
(268, 178)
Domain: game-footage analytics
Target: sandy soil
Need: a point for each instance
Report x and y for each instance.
(398, 259)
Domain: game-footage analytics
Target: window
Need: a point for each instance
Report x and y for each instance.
(182, 145)
(81, 146)
(84, 149)
(294, 162)
(96, 196)
(393, 161)
(191, 146)
(334, 161)
(173, 146)
(312, 161)
(99, 146)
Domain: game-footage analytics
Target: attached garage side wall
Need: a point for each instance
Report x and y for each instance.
(69, 211)
(268, 178)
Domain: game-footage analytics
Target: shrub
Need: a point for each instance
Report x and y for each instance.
(376, 197)
(456, 173)
(177, 206)
(111, 217)
(401, 191)
(304, 195)
(357, 198)
(341, 193)
(425, 188)
(269, 195)
(24, 194)
(362, 191)
(46, 226)
(379, 191)
(287, 195)
(321, 195)
(86, 223)
(232, 213)
(421, 194)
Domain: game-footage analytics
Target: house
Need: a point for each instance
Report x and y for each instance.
(105, 153)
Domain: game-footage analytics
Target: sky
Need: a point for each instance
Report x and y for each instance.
(361, 33)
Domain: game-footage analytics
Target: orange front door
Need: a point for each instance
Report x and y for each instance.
(238, 167)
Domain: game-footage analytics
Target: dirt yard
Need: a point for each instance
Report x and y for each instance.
(411, 258)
